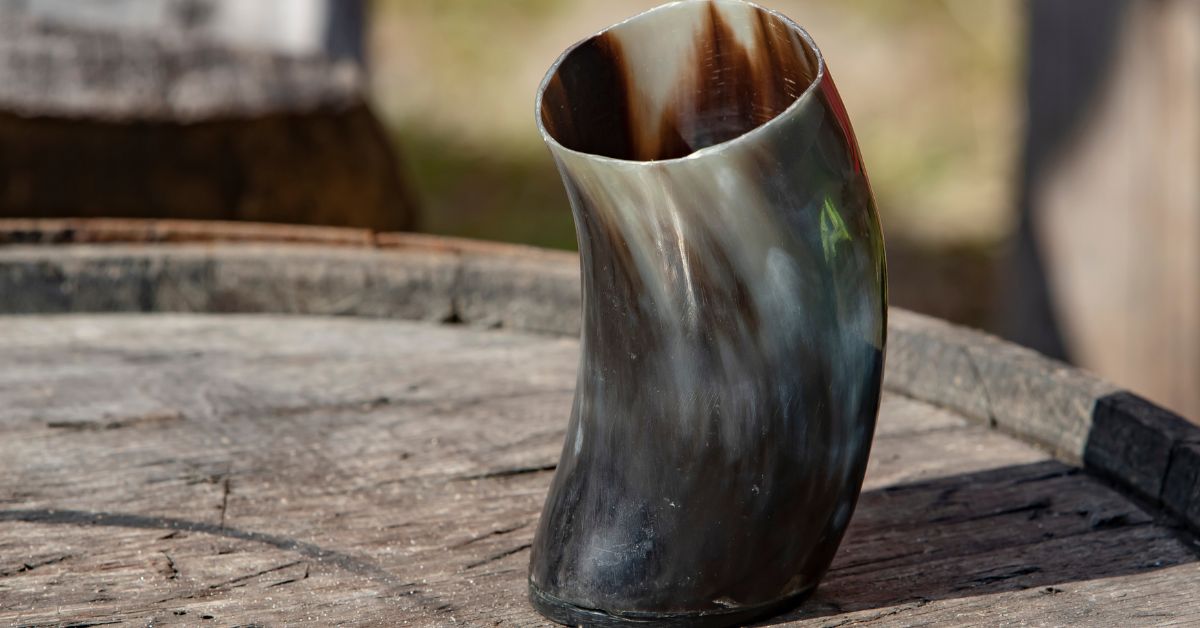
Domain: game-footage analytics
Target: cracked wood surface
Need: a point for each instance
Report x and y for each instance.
(234, 470)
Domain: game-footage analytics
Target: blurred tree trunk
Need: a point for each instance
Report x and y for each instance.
(1111, 198)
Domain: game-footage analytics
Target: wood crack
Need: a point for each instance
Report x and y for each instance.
(497, 532)
(994, 578)
(1054, 475)
(77, 624)
(137, 420)
(495, 557)
(26, 567)
(1032, 507)
(224, 500)
(983, 389)
(357, 405)
(878, 616)
(291, 580)
(256, 574)
(505, 473)
(875, 561)
(172, 572)
(125, 520)
(382, 401)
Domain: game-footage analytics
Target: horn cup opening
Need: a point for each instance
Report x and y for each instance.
(676, 79)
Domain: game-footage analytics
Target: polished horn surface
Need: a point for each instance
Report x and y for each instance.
(734, 318)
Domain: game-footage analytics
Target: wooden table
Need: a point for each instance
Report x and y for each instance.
(270, 464)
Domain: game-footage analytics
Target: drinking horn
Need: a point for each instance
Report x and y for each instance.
(734, 320)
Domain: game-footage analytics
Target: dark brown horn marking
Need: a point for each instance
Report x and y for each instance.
(726, 89)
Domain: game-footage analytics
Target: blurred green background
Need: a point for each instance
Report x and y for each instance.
(932, 87)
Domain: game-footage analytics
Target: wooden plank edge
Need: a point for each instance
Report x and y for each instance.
(1146, 450)
(422, 278)
(60, 231)
(1078, 417)
(1149, 450)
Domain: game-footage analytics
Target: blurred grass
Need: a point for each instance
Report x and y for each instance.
(470, 191)
(931, 86)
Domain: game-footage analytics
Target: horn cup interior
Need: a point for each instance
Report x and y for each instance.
(676, 79)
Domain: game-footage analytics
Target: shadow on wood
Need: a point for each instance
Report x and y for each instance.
(1025, 527)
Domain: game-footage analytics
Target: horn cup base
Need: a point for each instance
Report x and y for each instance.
(569, 614)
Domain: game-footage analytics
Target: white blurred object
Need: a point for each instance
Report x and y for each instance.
(291, 26)
(331, 28)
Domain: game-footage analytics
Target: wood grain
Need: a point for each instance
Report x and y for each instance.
(90, 265)
(270, 470)
(182, 266)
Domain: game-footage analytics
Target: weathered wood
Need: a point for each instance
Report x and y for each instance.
(412, 277)
(361, 273)
(179, 469)
(1181, 488)
(1010, 387)
(118, 230)
(1135, 440)
(403, 464)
